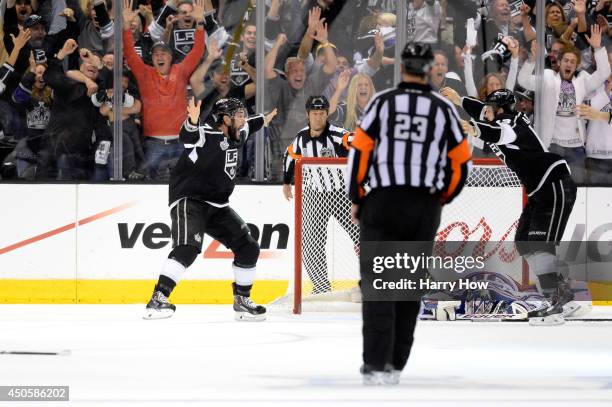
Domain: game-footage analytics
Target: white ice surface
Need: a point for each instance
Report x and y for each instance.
(202, 356)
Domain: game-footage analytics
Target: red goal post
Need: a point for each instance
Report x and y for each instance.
(486, 213)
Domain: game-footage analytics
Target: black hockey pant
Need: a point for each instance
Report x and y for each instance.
(394, 214)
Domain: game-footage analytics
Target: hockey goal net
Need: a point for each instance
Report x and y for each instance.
(326, 242)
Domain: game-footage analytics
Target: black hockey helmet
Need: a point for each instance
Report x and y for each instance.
(502, 98)
(317, 102)
(522, 93)
(226, 107)
(417, 58)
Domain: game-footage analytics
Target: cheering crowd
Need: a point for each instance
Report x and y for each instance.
(56, 77)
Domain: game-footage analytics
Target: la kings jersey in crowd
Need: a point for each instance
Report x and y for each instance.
(513, 139)
(207, 167)
(333, 142)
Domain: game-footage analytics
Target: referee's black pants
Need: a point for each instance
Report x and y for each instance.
(394, 214)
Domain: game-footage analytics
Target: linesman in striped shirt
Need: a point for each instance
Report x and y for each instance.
(411, 150)
(322, 185)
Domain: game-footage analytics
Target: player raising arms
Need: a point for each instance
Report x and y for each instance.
(550, 190)
(200, 187)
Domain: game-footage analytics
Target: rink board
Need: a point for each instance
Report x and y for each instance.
(106, 243)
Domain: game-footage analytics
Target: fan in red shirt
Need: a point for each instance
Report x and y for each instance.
(163, 88)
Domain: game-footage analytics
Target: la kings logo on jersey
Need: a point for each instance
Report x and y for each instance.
(40, 56)
(183, 40)
(237, 75)
(231, 162)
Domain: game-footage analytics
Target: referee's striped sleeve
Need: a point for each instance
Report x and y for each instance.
(459, 157)
(292, 154)
(359, 160)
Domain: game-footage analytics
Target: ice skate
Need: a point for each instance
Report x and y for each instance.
(563, 304)
(159, 307)
(247, 310)
(391, 375)
(372, 377)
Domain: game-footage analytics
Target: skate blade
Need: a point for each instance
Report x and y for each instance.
(245, 316)
(157, 314)
(370, 380)
(574, 309)
(550, 320)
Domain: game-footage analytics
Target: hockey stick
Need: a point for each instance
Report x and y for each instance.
(65, 352)
(231, 49)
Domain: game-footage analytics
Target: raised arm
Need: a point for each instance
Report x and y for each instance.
(580, 9)
(314, 16)
(192, 59)
(197, 77)
(158, 26)
(18, 43)
(190, 134)
(528, 29)
(375, 60)
(54, 75)
(134, 61)
(343, 81)
(597, 78)
(270, 60)
(526, 78)
(468, 72)
(514, 47)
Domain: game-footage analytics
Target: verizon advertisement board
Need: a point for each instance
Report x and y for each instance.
(122, 232)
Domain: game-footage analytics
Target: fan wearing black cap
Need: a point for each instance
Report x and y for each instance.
(410, 149)
(40, 49)
(319, 139)
(550, 190)
(200, 187)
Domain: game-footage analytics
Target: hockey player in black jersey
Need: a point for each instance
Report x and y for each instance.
(550, 190)
(200, 187)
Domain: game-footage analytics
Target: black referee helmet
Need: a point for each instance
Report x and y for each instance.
(226, 107)
(501, 99)
(318, 102)
(417, 58)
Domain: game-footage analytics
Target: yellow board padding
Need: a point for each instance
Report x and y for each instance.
(13, 291)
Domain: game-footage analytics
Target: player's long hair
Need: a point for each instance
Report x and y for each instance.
(350, 122)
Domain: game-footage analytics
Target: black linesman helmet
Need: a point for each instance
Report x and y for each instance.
(417, 58)
(226, 107)
(318, 102)
(502, 98)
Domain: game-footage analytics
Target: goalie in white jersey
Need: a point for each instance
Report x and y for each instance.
(320, 139)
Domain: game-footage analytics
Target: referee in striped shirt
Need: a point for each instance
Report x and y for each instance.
(411, 150)
(322, 185)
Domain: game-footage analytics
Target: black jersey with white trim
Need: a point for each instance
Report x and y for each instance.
(513, 139)
(207, 168)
